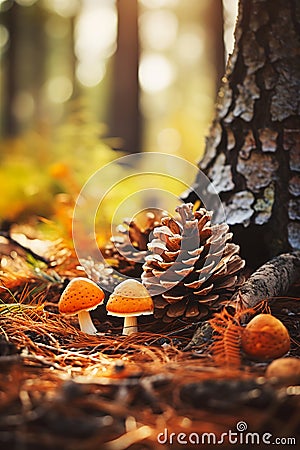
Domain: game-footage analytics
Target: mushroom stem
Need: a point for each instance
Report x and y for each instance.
(85, 323)
(130, 325)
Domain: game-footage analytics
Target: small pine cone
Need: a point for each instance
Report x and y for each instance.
(193, 267)
(127, 251)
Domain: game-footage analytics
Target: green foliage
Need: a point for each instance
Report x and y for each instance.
(42, 172)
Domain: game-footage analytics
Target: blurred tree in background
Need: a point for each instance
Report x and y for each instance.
(79, 77)
(126, 120)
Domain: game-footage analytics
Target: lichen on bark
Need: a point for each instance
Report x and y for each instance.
(248, 145)
(294, 185)
(221, 175)
(264, 205)
(244, 103)
(258, 113)
(212, 142)
(258, 170)
(294, 234)
(239, 208)
(268, 139)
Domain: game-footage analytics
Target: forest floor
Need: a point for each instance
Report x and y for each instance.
(63, 389)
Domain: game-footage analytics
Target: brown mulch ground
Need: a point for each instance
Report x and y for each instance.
(62, 389)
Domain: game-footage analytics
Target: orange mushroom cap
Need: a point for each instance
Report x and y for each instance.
(265, 337)
(130, 298)
(81, 294)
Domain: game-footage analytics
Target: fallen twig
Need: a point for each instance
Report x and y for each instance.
(272, 279)
(129, 438)
(41, 360)
(6, 235)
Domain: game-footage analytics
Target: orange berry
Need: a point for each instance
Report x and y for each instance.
(265, 338)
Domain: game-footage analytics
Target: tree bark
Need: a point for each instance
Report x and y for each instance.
(252, 152)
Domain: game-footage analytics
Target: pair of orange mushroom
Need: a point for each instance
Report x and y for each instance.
(130, 299)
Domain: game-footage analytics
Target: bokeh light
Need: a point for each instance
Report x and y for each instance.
(158, 29)
(156, 72)
(75, 60)
(169, 140)
(5, 5)
(190, 45)
(95, 40)
(90, 73)
(25, 2)
(64, 8)
(4, 37)
(159, 3)
(59, 89)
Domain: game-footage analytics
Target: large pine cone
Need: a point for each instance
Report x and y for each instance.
(127, 250)
(193, 266)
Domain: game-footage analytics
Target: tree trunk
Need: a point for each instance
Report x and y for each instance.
(9, 123)
(125, 122)
(26, 29)
(252, 152)
(214, 22)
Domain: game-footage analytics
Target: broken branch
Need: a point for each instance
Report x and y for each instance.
(272, 279)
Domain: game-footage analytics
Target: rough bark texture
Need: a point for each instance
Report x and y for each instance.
(252, 152)
(272, 279)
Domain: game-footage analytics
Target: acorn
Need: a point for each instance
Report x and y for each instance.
(265, 338)
(285, 370)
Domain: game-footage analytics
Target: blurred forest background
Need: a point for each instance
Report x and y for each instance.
(86, 81)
